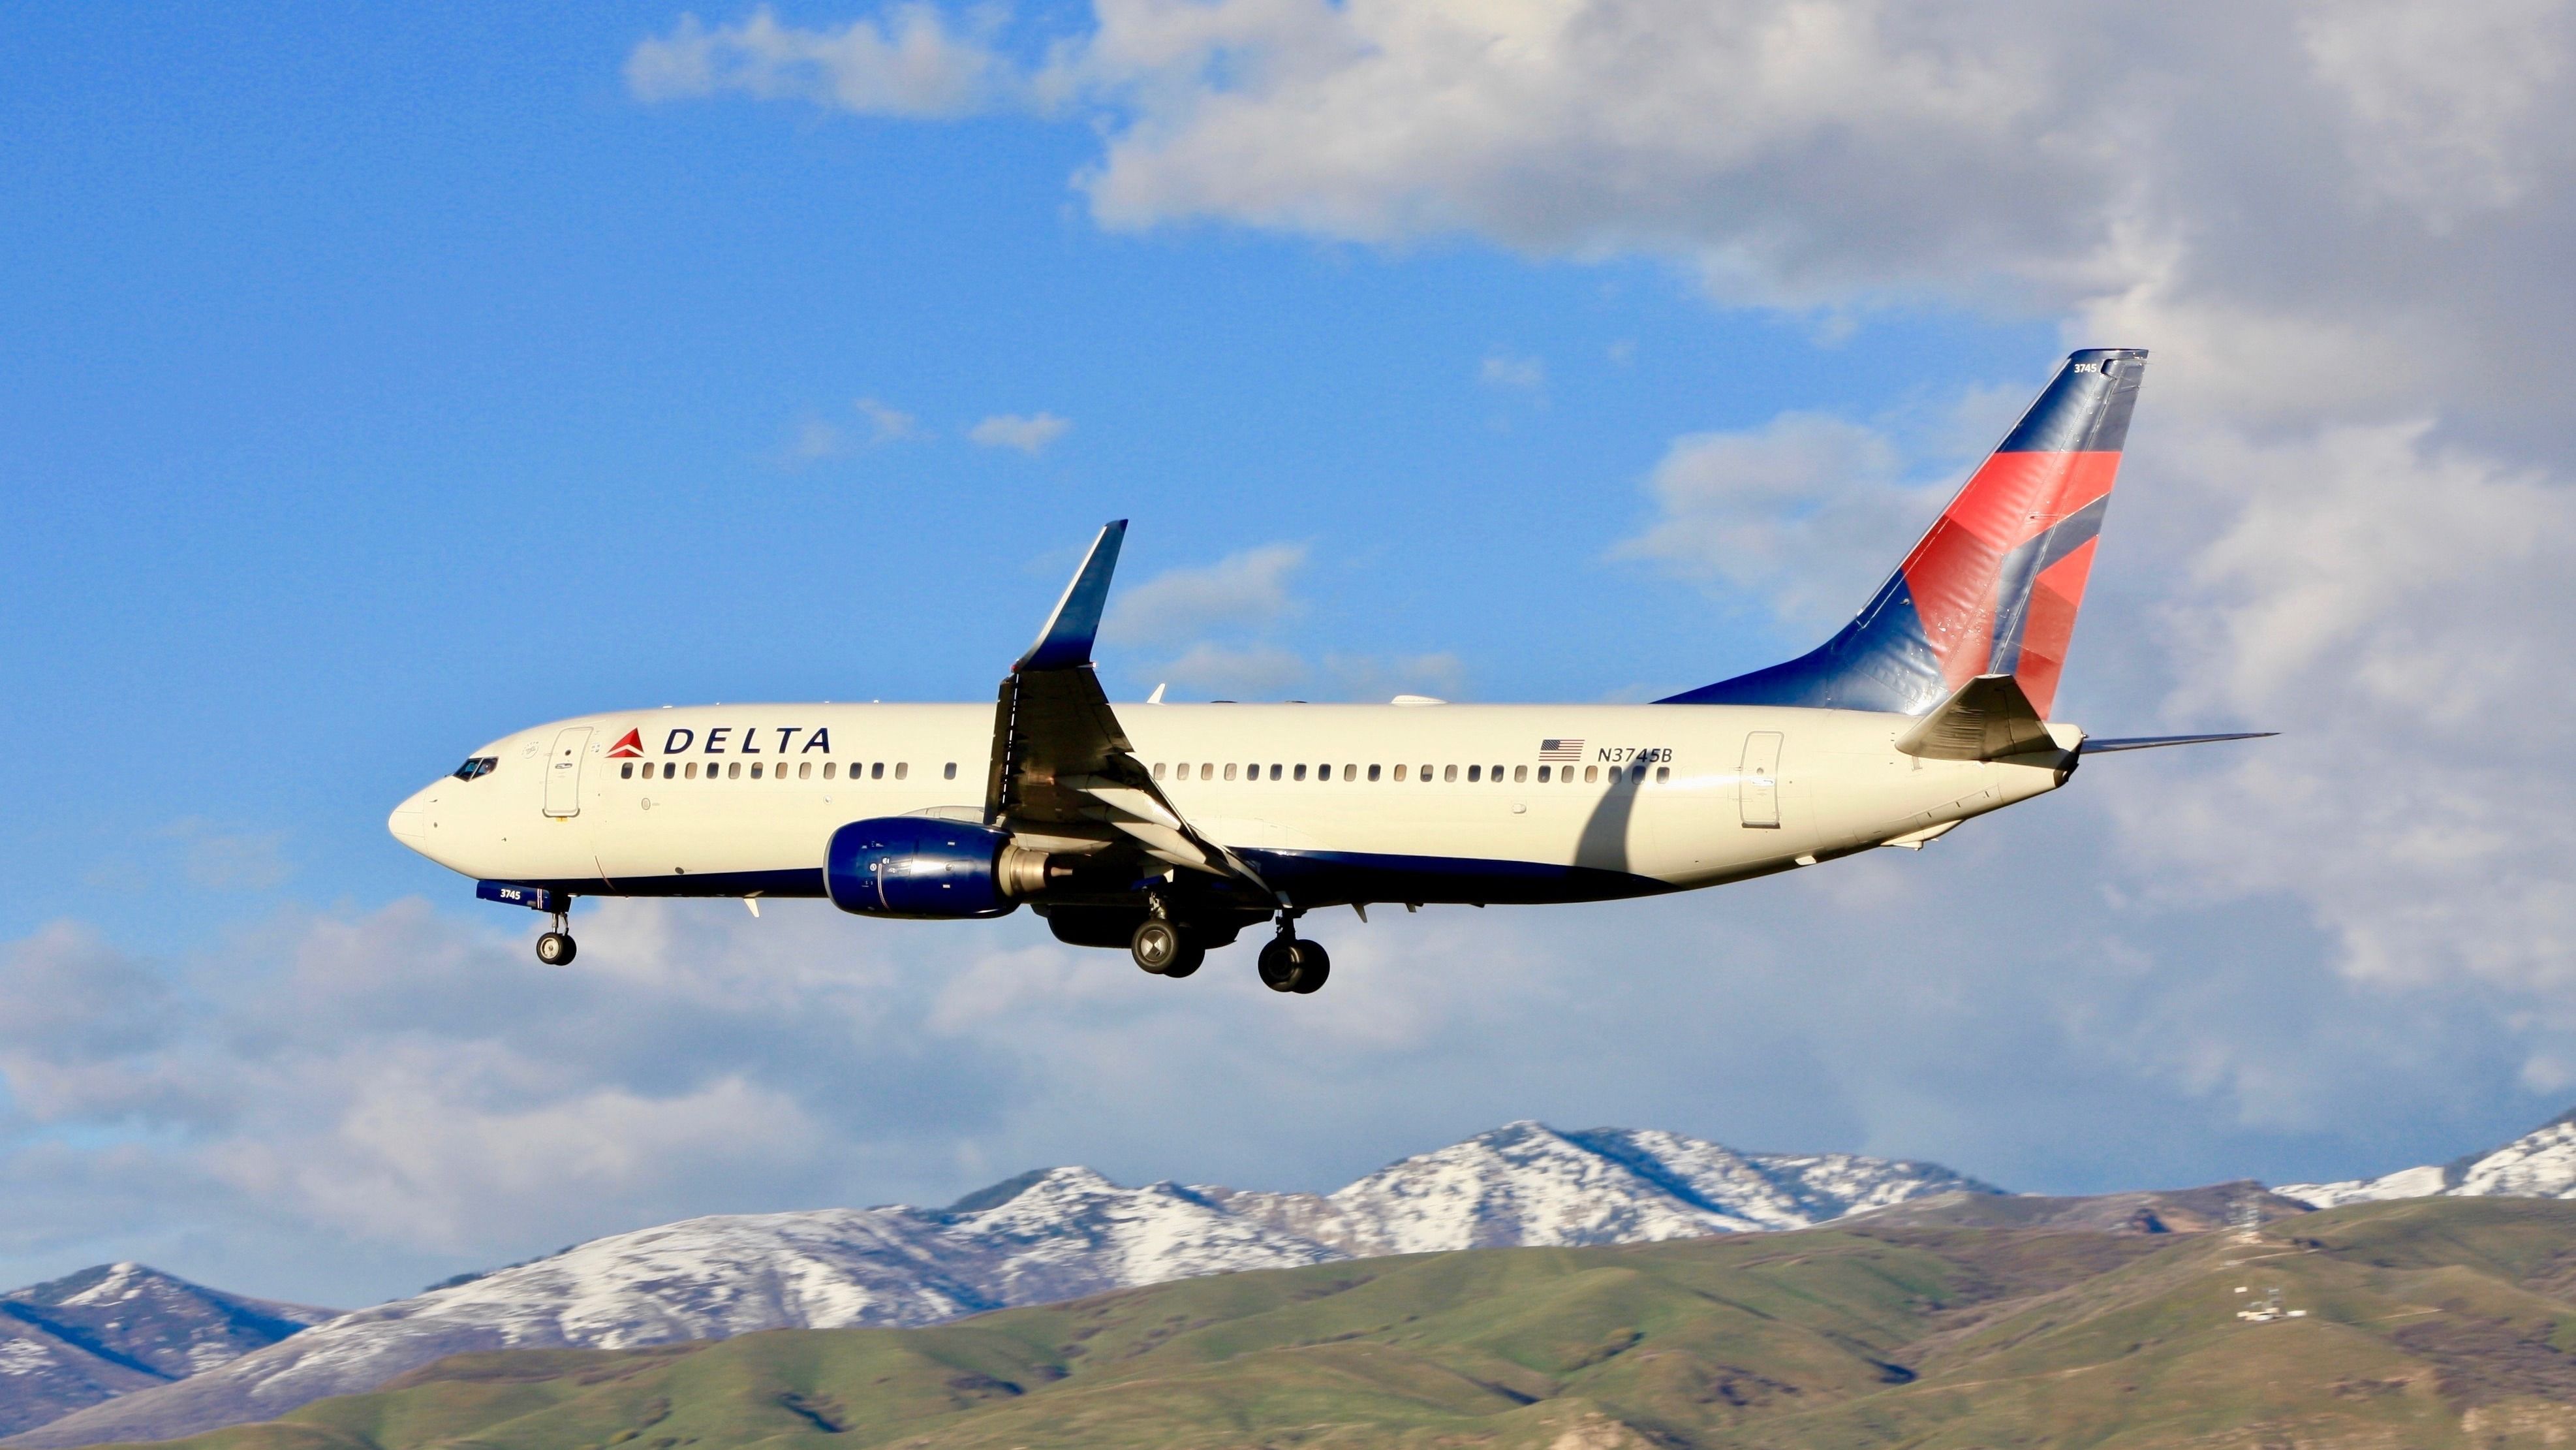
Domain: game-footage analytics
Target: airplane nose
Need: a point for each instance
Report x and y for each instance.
(412, 821)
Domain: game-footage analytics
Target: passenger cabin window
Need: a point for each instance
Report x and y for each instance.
(1471, 774)
(1519, 773)
(1495, 774)
(1373, 772)
(755, 770)
(1591, 772)
(1158, 770)
(1542, 775)
(828, 768)
(1229, 772)
(902, 768)
(877, 771)
(1350, 772)
(1301, 772)
(1206, 771)
(1663, 773)
(733, 770)
(626, 771)
(1450, 773)
(1274, 773)
(693, 770)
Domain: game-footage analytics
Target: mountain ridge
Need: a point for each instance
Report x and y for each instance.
(1039, 1237)
(2436, 1325)
(2539, 1164)
(104, 1332)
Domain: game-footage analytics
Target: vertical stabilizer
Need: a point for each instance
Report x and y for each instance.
(1993, 588)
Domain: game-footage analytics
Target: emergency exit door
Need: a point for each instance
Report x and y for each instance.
(1757, 780)
(563, 771)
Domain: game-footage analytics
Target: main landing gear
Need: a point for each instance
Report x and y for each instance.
(1169, 948)
(556, 947)
(1160, 947)
(1289, 963)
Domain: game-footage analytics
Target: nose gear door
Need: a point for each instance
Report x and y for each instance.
(563, 770)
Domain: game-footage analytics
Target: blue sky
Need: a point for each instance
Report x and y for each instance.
(375, 395)
(376, 383)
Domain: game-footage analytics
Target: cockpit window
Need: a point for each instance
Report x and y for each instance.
(477, 766)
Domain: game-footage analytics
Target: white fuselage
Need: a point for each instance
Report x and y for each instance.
(742, 799)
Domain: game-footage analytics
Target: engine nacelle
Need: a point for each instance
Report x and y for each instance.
(920, 866)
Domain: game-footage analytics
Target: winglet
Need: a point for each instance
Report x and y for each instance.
(1065, 643)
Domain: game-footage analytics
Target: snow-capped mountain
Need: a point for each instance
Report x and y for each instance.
(117, 1328)
(1055, 1234)
(2539, 1164)
(1527, 1184)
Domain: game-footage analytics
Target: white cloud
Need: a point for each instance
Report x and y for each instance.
(1237, 672)
(1807, 513)
(907, 62)
(2399, 609)
(815, 441)
(1370, 678)
(887, 424)
(225, 860)
(1245, 590)
(1029, 434)
(1502, 369)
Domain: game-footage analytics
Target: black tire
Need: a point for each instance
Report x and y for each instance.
(1314, 965)
(556, 949)
(1278, 964)
(1156, 945)
(1192, 955)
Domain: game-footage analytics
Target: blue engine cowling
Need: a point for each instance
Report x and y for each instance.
(917, 866)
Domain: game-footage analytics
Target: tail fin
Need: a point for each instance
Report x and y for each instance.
(1993, 588)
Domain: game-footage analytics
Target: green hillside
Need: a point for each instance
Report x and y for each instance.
(2427, 1324)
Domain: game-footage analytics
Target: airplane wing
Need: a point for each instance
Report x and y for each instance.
(1063, 775)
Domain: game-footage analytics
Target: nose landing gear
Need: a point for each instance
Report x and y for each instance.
(556, 948)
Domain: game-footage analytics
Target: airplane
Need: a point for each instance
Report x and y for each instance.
(1169, 829)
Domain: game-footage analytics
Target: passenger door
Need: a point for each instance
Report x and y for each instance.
(1757, 781)
(563, 770)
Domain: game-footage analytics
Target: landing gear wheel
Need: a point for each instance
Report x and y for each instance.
(1289, 964)
(555, 948)
(1314, 965)
(1156, 946)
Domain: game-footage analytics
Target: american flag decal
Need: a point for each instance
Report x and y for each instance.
(1560, 750)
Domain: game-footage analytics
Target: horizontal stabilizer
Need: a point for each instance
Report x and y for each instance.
(1988, 719)
(2158, 742)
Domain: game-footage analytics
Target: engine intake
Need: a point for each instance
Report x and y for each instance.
(919, 866)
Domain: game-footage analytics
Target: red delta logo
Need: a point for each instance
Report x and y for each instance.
(629, 746)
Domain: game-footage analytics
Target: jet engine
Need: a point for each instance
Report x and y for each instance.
(919, 866)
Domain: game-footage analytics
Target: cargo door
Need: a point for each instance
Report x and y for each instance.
(1757, 781)
(563, 770)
